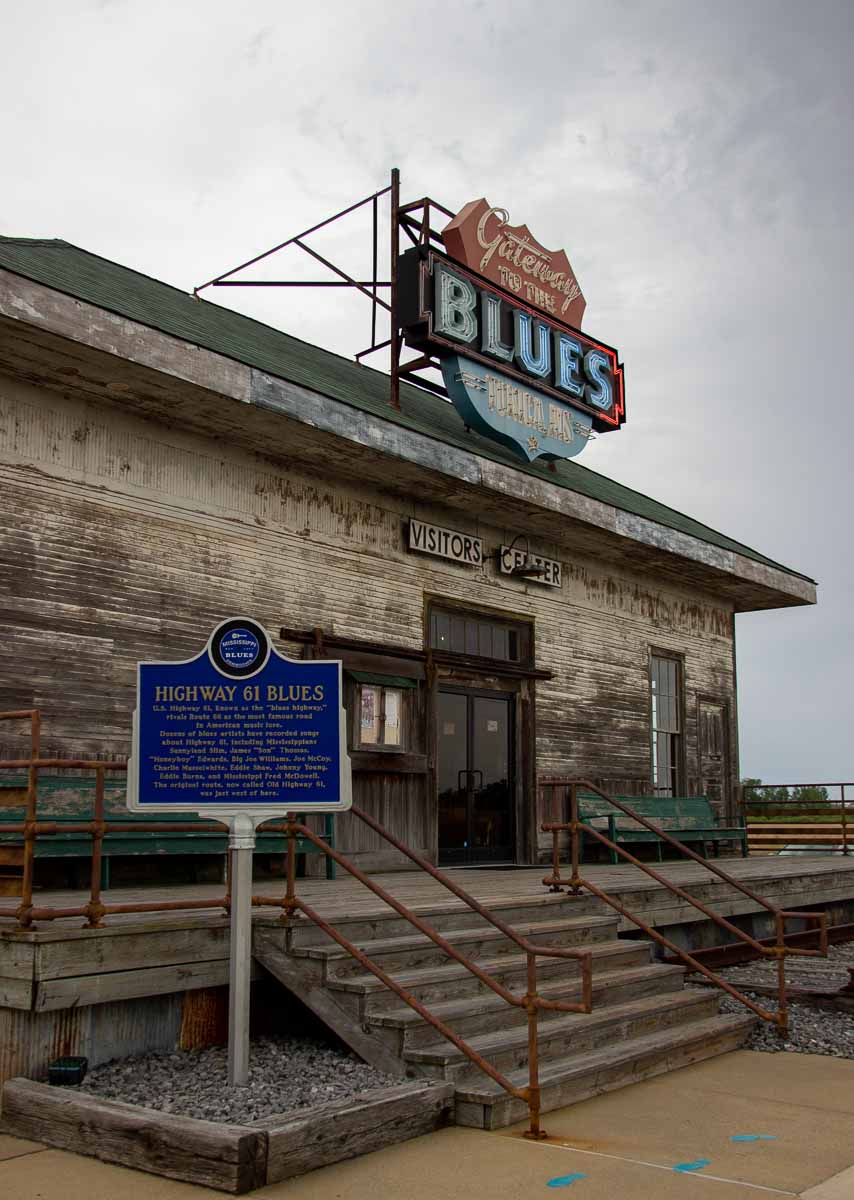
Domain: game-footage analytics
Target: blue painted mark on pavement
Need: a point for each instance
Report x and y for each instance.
(564, 1180)
(753, 1137)
(697, 1165)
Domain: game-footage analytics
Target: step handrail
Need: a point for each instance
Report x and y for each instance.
(576, 884)
(291, 905)
(95, 910)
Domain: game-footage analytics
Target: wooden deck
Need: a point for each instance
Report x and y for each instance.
(786, 882)
(152, 980)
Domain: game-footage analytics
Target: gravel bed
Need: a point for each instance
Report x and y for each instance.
(811, 1030)
(829, 973)
(285, 1073)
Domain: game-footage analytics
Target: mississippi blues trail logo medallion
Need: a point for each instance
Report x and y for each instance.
(240, 648)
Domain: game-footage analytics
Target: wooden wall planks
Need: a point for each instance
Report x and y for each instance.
(122, 539)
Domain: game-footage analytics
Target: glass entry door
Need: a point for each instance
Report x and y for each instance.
(475, 776)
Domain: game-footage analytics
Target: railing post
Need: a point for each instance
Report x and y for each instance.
(226, 903)
(556, 816)
(844, 821)
(25, 909)
(575, 881)
(35, 733)
(534, 1132)
(95, 907)
(289, 904)
(782, 1002)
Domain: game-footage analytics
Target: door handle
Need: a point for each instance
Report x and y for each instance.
(461, 787)
(480, 773)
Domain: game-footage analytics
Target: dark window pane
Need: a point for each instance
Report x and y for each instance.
(513, 645)
(442, 635)
(666, 683)
(478, 636)
(452, 777)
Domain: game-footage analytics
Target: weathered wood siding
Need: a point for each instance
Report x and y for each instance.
(123, 539)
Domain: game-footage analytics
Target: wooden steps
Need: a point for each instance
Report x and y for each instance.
(567, 1081)
(443, 912)
(418, 951)
(436, 983)
(570, 1033)
(472, 1015)
(642, 1022)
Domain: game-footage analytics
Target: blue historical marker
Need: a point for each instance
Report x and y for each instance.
(239, 733)
(239, 728)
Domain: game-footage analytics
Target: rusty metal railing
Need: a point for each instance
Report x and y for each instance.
(30, 828)
(577, 883)
(291, 905)
(530, 1000)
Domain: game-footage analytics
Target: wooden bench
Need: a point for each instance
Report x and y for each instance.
(690, 819)
(70, 801)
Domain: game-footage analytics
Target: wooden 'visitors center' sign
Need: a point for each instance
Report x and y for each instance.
(239, 728)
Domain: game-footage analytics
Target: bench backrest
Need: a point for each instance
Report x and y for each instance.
(69, 800)
(69, 796)
(12, 795)
(670, 812)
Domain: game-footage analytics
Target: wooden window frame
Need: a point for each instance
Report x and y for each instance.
(380, 746)
(523, 628)
(679, 755)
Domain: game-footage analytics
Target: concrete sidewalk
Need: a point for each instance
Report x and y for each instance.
(739, 1127)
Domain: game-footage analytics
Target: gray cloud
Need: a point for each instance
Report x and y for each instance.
(695, 161)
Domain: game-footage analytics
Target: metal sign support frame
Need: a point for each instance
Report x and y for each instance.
(416, 220)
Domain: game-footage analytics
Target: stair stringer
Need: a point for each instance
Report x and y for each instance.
(304, 979)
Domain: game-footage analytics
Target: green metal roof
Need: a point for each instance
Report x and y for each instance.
(66, 268)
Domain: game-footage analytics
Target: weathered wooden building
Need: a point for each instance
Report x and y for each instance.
(166, 463)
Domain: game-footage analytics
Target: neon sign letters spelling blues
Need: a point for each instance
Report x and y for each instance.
(582, 375)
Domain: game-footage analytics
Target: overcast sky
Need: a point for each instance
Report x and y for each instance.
(694, 159)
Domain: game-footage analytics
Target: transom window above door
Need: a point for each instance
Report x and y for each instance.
(478, 636)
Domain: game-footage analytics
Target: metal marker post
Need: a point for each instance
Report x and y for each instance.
(241, 843)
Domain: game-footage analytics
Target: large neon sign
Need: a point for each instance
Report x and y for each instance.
(514, 371)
